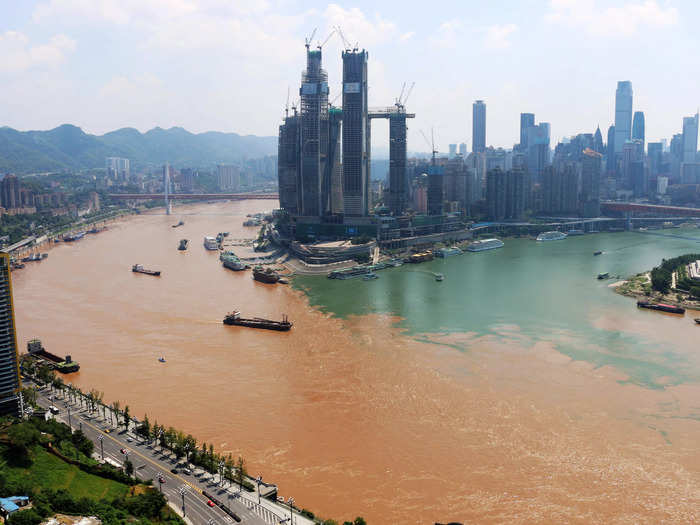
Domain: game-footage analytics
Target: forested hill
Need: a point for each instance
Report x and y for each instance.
(68, 147)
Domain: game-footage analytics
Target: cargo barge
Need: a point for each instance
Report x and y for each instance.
(65, 366)
(234, 318)
(668, 308)
(419, 257)
(137, 268)
(265, 275)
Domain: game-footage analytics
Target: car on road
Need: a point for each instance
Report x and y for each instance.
(161, 479)
(108, 430)
(187, 471)
(174, 471)
(129, 440)
(210, 503)
(122, 450)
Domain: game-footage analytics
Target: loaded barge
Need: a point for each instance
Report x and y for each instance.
(668, 308)
(65, 366)
(234, 318)
(137, 268)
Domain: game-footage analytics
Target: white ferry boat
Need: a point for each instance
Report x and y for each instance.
(485, 244)
(575, 232)
(551, 236)
(210, 243)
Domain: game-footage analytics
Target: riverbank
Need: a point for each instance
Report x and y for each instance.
(638, 287)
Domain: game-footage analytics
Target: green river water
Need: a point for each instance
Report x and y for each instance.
(541, 291)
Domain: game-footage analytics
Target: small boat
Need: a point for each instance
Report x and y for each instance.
(668, 308)
(161, 359)
(183, 245)
(137, 268)
(603, 275)
(697, 320)
(265, 275)
(370, 276)
(178, 224)
(44, 255)
(439, 277)
(598, 253)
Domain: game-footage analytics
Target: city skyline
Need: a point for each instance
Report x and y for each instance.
(132, 67)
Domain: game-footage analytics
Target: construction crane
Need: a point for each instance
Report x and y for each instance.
(346, 43)
(430, 143)
(308, 40)
(326, 40)
(401, 101)
(286, 108)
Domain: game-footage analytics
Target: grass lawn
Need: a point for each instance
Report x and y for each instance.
(48, 471)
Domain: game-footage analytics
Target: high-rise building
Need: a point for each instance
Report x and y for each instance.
(332, 187)
(453, 151)
(610, 159)
(10, 383)
(638, 127)
(10, 194)
(398, 177)
(118, 169)
(436, 189)
(313, 140)
(288, 164)
(690, 138)
(356, 134)
(676, 151)
(598, 141)
(478, 126)
(538, 149)
(228, 177)
(655, 153)
(527, 120)
(632, 153)
(623, 114)
(506, 194)
(590, 182)
(463, 149)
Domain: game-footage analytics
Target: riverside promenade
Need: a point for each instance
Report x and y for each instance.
(188, 495)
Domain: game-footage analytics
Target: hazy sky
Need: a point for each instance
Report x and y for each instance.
(226, 65)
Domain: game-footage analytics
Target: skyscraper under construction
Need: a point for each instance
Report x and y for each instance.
(9, 362)
(356, 134)
(313, 140)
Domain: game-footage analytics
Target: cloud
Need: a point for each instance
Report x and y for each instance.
(357, 27)
(407, 36)
(114, 11)
(622, 21)
(447, 35)
(17, 55)
(496, 36)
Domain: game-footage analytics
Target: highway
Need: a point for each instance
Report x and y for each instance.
(150, 463)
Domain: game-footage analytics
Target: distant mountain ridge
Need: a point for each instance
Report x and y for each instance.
(69, 147)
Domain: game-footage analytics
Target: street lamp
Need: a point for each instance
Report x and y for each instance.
(290, 501)
(102, 449)
(183, 491)
(259, 481)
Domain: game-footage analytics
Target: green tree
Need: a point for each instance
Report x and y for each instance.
(25, 517)
(127, 417)
(240, 471)
(128, 467)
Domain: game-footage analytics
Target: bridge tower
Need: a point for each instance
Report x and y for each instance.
(166, 188)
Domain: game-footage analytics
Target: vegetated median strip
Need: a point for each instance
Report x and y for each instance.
(144, 457)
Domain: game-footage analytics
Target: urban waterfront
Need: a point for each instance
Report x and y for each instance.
(519, 389)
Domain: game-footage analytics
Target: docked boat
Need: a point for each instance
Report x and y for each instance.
(235, 319)
(598, 253)
(668, 308)
(252, 222)
(551, 236)
(44, 255)
(370, 276)
(575, 232)
(439, 277)
(137, 268)
(72, 237)
(183, 245)
(420, 257)
(604, 275)
(485, 244)
(265, 275)
(232, 262)
(447, 252)
(161, 359)
(697, 320)
(178, 224)
(210, 243)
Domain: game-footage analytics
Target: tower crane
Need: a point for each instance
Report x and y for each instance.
(286, 108)
(346, 43)
(308, 40)
(430, 143)
(326, 40)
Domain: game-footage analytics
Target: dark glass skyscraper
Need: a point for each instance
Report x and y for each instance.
(527, 120)
(478, 126)
(356, 134)
(10, 384)
(610, 162)
(638, 127)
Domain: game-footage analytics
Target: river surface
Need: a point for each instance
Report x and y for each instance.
(520, 389)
